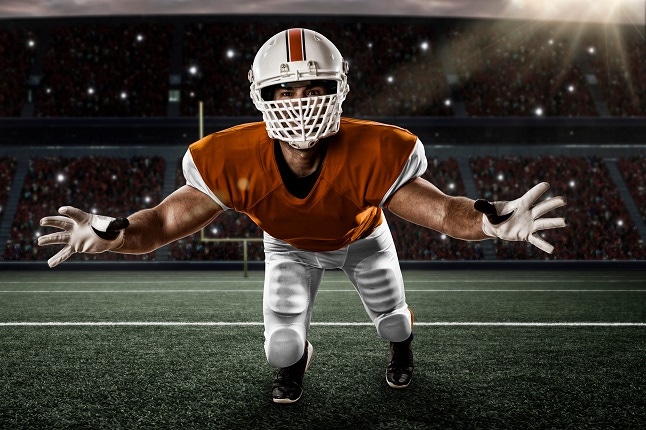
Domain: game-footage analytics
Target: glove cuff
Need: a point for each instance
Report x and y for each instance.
(487, 227)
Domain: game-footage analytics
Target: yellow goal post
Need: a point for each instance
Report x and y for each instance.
(244, 240)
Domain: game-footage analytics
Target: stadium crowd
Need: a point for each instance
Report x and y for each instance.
(17, 51)
(520, 71)
(7, 171)
(101, 70)
(600, 227)
(104, 185)
(398, 68)
(633, 170)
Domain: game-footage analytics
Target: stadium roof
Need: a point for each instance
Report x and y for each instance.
(623, 11)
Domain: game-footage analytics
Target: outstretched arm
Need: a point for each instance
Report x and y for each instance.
(422, 203)
(182, 213)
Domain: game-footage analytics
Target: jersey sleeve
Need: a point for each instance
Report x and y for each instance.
(414, 167)
(195, 180)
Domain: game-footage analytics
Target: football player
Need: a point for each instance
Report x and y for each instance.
(316, 183)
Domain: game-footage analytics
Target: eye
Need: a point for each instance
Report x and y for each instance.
(318, 91)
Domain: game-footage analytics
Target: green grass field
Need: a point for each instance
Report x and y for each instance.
(493, 349)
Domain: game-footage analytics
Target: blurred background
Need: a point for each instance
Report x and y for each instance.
(99, 101)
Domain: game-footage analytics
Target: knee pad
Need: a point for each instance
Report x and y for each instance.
(284, 346)
(287, 289)
(395, 326)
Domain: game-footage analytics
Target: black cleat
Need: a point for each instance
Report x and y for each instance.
(400, 368)
(288, 385)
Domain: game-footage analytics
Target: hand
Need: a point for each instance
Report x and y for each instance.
(518, 220)
(83, 232)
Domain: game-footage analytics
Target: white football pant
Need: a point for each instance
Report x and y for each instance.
(293, 277)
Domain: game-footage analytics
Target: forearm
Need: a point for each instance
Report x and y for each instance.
(463, 221)
(422, 203)
(182, 213)
(144, 234)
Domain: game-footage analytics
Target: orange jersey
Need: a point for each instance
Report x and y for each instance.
(363, 162)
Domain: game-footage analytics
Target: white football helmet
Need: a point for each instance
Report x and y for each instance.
(299, 55)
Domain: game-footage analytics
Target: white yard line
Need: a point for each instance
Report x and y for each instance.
(328, 324)
(345, 290)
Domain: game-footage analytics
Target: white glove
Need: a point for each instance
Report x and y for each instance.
(518, 220)
(84, 232)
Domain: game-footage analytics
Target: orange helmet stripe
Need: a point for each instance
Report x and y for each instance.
(295, 45)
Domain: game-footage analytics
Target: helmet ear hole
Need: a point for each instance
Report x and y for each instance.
(267, 93)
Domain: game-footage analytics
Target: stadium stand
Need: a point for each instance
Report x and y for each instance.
(7, 171)
(633, 170)
(617, 59)
(520, 70)
(484, 78)
(17, 50)
(100, 184)
(599, 225)
(105, 70)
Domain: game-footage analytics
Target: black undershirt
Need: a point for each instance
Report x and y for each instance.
(299, 187)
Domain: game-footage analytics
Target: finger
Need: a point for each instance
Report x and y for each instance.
(54, 239)
(76, 214)
(538, 242)
(532, 195)
(62, 222)
(548, 205)
(62, 255)
(549, 223)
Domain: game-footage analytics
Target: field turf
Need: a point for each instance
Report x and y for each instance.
(173, 349)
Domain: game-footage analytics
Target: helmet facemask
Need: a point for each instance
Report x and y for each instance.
(301, 122)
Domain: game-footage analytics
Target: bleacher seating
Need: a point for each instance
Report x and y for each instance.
(7, 171)
(516, 69)
(104, 185)
(617, 58)
(599, 227)
(633, 170)
(17, 51)
(392, 74)
(398, 67)
(106, 70)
